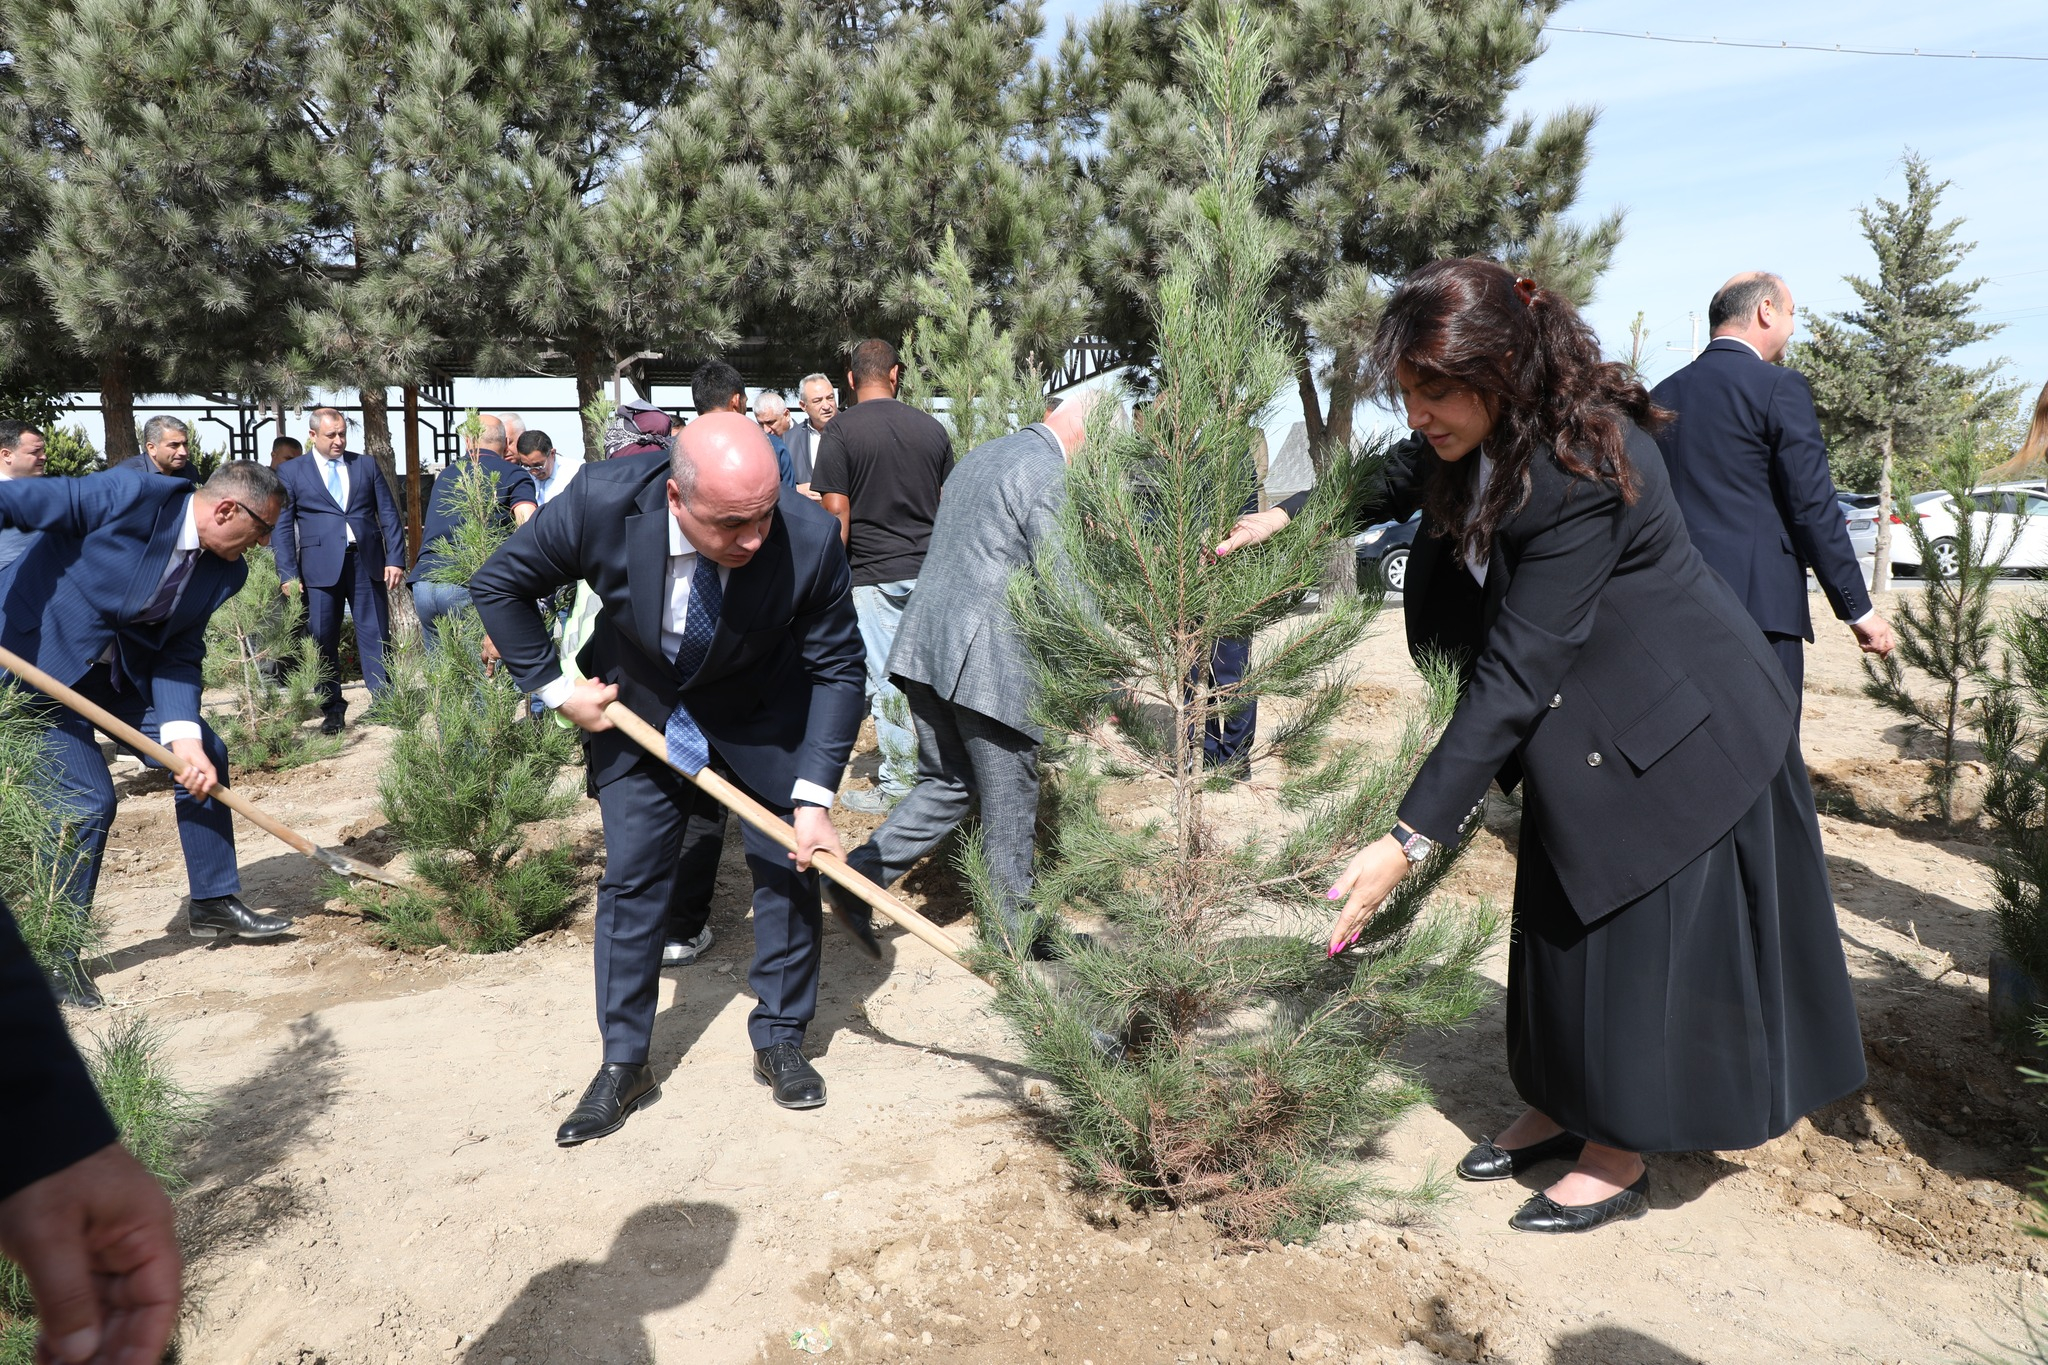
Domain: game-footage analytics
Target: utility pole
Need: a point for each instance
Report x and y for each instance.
(1694, 349)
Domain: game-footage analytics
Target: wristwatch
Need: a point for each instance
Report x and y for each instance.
(1415, 847)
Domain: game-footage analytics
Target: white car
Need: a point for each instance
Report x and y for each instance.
(2011, 523)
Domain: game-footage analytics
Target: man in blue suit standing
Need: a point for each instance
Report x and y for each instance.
(112, 600)
(728, 622)
(166, 449)
(1750, 472)
(340, 539)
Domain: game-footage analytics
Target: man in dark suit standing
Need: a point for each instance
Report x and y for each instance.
(166, 449)
(819, 399)
(91, 1229)
(1750, 473)
(727, 620)
(340, 539)
(112, 600)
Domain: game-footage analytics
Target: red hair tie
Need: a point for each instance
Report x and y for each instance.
(1525, 289)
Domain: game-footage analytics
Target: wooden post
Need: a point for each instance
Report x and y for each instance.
(415, 517)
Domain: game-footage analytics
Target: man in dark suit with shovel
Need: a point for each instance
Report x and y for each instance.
(727, 621)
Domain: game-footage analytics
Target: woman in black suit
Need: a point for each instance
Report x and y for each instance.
(1675, 977)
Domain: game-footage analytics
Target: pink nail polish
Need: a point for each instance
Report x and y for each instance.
(1334, 893)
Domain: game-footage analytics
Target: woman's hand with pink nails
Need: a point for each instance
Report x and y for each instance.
(1373, 872)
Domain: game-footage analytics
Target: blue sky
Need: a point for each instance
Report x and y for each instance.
(1729, 159)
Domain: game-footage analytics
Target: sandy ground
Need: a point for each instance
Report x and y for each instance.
(377, 1181)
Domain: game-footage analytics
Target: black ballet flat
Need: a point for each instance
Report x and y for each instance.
(1544, 1214)
(1488, 1162)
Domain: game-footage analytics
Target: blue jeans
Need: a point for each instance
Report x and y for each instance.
(879, 608)
(431, 602)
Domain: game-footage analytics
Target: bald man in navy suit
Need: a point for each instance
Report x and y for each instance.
(1750, 472)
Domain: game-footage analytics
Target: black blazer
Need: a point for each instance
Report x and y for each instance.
(1607, 666)
(1750, 472)
(59, 1117)
(782, 690)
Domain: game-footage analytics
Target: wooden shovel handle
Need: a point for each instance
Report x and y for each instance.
(127, 734)
(769, 823)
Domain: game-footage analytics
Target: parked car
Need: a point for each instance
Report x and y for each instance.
(1859, 514)
(1383, 550)
(2010, 522)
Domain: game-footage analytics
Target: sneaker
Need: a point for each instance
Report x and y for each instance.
(682, 952)
(870, 800)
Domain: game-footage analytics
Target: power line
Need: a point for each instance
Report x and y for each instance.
(1841, 48)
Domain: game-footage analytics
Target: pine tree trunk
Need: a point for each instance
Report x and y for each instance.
(377, 431)
(1340, 574)
(1881, 565)
(117, 408)
(589, 385)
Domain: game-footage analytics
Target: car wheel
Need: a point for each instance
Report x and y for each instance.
(1394, 569)
(1948, 561)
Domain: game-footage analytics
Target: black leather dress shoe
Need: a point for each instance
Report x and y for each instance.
(796, 1082)
(73, 987)
(1544, 1214)
(852, 914)
(332, 724)
(227, 917)
(1488, 1162)
(611, 1097)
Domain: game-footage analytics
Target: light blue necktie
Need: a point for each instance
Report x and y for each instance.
(334, 479)
(687, 747)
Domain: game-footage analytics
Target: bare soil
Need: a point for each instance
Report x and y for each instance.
(377, 1180)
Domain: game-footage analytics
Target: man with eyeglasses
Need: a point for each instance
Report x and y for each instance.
(112, 600)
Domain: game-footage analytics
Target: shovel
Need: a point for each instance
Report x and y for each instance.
(134, 739)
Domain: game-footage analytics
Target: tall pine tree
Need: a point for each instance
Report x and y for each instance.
(1882, 382)
(172, 246)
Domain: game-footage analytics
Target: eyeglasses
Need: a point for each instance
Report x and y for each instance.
(268, 528)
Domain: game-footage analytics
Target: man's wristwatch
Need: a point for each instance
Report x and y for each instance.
(1415, 847)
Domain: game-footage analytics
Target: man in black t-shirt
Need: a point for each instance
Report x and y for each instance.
(879, 469)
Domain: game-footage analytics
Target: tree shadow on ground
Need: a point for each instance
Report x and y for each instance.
(661, 1258)
(1616, 1346)
(1933, 920)
(237, 1195)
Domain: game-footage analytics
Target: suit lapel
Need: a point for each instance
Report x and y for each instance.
(163, 539)
(647, 564)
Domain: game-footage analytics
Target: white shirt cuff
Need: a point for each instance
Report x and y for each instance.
(555, 693)
(810, 794)
(171, 731)
(1865, 619)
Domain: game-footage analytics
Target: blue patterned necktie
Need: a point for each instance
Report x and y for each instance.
(333, 468)
(687, 747)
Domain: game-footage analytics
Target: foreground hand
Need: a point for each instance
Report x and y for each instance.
(393, 576)
(198, 775)
(100, 1249)
(1372, 873)
(290, 587)
(814, 835)
(1252, 528)
(1874, 636)
(586, 702)
(491, 657)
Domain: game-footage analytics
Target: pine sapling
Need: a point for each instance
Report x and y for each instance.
(1947, 635)
(955, 354)
(1206, 1051)
(259, 654)
(39, 855)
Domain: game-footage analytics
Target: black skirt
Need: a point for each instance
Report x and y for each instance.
(1711, 1013)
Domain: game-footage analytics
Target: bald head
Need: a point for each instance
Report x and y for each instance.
(723, 485)
(1069, 421)
(491, 434)
(1755, 306)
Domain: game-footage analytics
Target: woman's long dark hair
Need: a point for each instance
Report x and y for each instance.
(1532, 359)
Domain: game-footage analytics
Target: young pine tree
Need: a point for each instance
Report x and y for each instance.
(1882, 383)
(956, 354)
(470, 770)
(259, 654)
(2015, 730)
(38, 854)
(1207, 1052)
(1947, 635)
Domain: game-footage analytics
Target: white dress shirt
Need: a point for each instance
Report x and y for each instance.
(1475, 564)
(171, 731)
(682, 569)
(340, 468)
(554, 483)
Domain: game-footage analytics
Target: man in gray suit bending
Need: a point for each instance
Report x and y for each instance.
(963, 669)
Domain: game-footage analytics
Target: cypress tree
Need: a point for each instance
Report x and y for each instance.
(1882, 384)
(1207, 1052)
(172, 246)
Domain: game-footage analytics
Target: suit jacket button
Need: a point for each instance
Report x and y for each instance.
(1556, 700)
(1593, 760)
